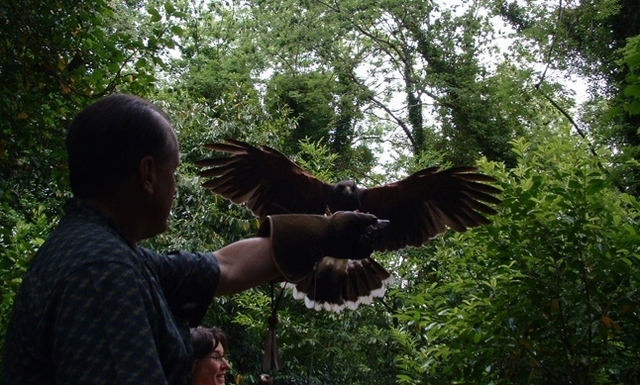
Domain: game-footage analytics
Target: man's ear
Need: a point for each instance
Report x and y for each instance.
(147, 173)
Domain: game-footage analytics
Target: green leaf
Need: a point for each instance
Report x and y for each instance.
(633, 60)
(632, 90)
(141, 63)
(595, 185)
(575, 185)
(180, 15)
(155, 15)
(633, 108)
(177, 30)
(169, 8)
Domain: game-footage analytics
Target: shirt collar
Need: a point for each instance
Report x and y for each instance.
(76, 207)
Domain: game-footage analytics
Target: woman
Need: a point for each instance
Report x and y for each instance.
(210, 364)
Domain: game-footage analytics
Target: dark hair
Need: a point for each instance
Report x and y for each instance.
(107, 140)
(205, 340)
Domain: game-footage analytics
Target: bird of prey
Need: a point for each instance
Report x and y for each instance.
(418, 208)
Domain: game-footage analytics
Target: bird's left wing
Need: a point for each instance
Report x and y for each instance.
(263, 178)
(426, 203)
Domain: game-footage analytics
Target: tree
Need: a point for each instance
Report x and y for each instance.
(54, 60)
(546, 293)
(588, 38)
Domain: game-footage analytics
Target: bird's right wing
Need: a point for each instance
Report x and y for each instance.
(263, 178)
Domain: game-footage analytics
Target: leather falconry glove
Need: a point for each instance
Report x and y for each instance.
(298, 241)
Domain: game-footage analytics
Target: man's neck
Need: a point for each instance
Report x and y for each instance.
(124, 213)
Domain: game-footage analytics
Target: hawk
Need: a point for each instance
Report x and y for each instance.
(418, 208)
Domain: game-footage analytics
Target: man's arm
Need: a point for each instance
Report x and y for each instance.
(245, 264)
(289, 247)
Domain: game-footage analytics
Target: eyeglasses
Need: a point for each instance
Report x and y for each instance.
(216, 357)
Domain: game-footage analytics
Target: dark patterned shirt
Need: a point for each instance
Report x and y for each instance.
(94, 310)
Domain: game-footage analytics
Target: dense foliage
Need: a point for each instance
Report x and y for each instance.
(371, 90)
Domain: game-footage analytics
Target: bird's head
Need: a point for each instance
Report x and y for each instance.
(345, 197)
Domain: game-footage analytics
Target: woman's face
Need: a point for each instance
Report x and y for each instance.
(211, 369)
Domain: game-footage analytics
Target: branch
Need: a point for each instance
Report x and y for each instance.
(552, 46)
(569, 118)
(553, 102)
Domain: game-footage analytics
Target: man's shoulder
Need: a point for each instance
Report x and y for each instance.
(78, 243)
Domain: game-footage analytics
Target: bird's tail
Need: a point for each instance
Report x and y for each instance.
(337, 284)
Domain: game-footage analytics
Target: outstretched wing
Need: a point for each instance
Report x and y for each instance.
(428, 202)
(263, 178)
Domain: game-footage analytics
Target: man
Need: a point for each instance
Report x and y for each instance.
(94, 308)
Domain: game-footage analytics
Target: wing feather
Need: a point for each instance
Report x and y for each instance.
(263, 178)
(426, 203)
